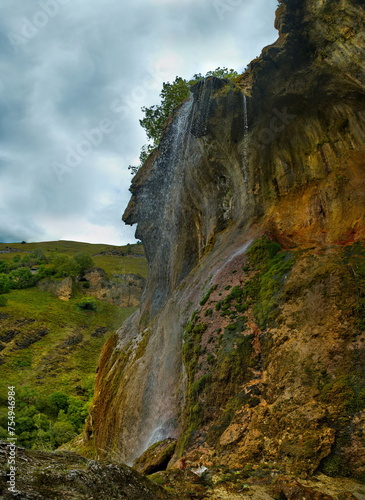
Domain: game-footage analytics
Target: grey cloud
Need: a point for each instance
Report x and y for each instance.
(89, 60)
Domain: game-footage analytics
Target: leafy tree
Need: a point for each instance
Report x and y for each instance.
(25, 439)
(41, 421)
(43, 440)
(24, 424)
(4, 266)
(21, 278)
(219, 72)
(5, 283)
(84, 260)
(63, 266)
(172, 94)
(77, 413)
(63, 431)
(44, 272)
(38, 256)
(59, 401)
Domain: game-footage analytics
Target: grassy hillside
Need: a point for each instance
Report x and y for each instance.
(108, 257)
(49, 348)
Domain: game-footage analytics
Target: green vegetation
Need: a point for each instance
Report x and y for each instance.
(355, 260)
(191, 351)
(207, 295)
(25, 271)
(88, 304)
(345, 389)
(348, 393)
(172, 95)
(49, 348)
(114, 260)
(264, 290)
(219, 361)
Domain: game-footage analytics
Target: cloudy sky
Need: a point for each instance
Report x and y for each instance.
(73, 77)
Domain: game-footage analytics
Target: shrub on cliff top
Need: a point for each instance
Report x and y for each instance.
(172, 94)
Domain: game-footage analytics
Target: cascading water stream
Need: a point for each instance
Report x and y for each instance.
(164, 373)
(245, 140)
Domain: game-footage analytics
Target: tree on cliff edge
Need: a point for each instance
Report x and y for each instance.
(172, 94)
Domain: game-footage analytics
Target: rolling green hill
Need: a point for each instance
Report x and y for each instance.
(108, 257)
(49, 347)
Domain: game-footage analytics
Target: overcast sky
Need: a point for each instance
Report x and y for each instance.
(73, 77)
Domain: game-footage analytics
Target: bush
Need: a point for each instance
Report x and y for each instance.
(21, 278)
(24, 424)
(63, 431)
(4, 266)
(63, 266)
(59, 401)
(77, 413)
(84, 261)
(42, 440)
(5, 283)
(88, 304)
(38, 257)
(43, 272)
(3, 301)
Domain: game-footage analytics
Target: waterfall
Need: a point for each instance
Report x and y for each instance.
(245, 140)
(168, 165)
(161, 367)
(245, 115)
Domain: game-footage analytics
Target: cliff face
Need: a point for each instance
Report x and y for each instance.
(249, 344)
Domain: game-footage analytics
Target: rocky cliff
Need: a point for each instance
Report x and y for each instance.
(122, 290)
(249, 344)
